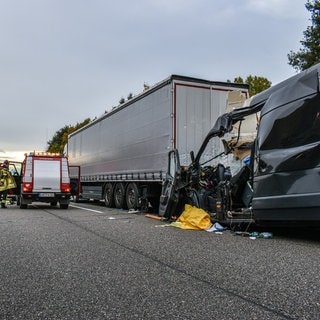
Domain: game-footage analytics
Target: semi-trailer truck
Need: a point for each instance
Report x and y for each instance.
(121, 157)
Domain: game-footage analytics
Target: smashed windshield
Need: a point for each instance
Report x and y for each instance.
(218, 152)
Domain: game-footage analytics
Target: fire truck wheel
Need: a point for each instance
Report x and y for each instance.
(22, 204)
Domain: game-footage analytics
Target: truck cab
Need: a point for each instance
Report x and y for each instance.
(45, 178)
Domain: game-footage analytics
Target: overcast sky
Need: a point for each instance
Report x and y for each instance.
(62, 61)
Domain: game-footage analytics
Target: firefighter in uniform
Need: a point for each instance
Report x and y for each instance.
(4, 176)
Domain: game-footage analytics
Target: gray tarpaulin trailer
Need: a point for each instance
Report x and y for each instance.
(123, 155)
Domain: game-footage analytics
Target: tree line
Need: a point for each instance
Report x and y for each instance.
(60, 138)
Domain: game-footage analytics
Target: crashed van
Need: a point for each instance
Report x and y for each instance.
(259, 163)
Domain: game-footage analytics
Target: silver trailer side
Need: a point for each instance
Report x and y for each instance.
(129, 145)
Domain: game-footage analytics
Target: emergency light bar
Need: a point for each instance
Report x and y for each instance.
(43, 153)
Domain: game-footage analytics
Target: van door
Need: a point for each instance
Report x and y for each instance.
(75, 185)
(170, 194)
(15, 169)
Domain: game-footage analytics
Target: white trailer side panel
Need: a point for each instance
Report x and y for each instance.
(131, 139)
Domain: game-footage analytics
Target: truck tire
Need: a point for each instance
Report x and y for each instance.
(64, 205)
(119, 196)
(132, 196)
(108, 195)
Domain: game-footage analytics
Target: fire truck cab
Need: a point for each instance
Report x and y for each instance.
(45, 178)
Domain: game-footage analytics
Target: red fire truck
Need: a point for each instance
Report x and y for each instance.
(45, 178)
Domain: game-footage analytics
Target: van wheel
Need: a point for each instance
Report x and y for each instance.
(132, 196)
(108, 195)
(119, 196)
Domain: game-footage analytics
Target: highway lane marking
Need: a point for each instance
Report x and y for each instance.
(97, 211)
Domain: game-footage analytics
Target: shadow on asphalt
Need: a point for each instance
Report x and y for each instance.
(307, 234)
(293, 232)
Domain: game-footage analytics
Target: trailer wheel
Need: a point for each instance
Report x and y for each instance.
(119, 196)
(132, 196)
(108, 195)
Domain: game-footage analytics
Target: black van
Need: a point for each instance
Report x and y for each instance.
(280, 180)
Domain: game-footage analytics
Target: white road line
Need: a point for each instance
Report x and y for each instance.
(85, 209)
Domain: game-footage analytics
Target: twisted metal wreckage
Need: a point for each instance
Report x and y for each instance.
(276, 138)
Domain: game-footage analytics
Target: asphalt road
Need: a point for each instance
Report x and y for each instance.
(90, 262)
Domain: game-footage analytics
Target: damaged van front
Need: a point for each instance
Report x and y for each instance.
(286, 179)
(259, 163)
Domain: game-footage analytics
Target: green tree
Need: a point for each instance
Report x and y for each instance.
(309, 54)
(145, 87)
(256, 84)
(60, 138)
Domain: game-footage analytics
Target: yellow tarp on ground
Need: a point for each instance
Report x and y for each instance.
(6, 181)
(193, 218)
